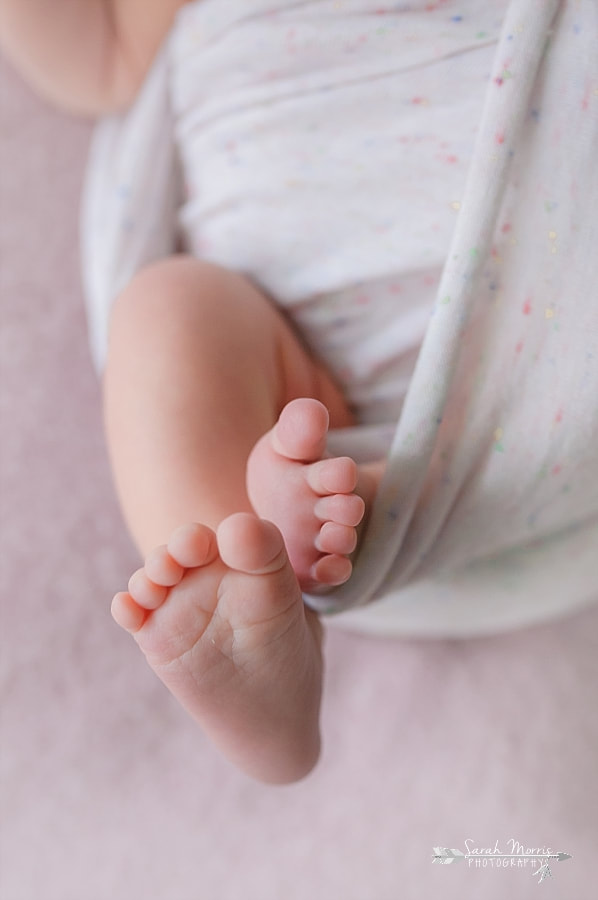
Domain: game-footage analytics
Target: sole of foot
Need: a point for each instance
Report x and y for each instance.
(220, 619)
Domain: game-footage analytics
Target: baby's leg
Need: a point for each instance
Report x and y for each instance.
(200, 365)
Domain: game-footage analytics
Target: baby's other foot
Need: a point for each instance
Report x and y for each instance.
(221, 620)
(310, 497)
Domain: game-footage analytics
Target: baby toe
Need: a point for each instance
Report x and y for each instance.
(332, 570)
(193, 545)
(344, 509)
(145, 592)
(127, 613)
(332, 476)
(162, 569)
(251, 545)
(336, 539)
(300, 433)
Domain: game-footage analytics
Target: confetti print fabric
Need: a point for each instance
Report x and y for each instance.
(416, 185)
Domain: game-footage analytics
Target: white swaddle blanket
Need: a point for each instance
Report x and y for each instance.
(417, 186)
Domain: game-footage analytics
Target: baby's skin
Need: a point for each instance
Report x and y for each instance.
(220, 615)
(217, 611)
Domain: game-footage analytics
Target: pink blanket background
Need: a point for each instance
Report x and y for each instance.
(109, 791)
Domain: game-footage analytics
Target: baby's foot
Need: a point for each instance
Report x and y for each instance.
(220, 619)
(308, 496)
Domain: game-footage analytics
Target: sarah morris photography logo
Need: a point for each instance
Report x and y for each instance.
(536, 859)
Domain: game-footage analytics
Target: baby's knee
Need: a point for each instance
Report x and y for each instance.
(182, 300)
(171, 282)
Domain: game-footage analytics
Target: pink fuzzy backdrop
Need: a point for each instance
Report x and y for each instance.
(109, 791)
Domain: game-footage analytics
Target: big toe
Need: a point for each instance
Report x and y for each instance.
(251, 545)
(300, 433)
(261, 586)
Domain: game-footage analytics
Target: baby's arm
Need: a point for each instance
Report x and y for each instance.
(87, 56)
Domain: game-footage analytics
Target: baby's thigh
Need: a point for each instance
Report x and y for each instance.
(232, 325)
